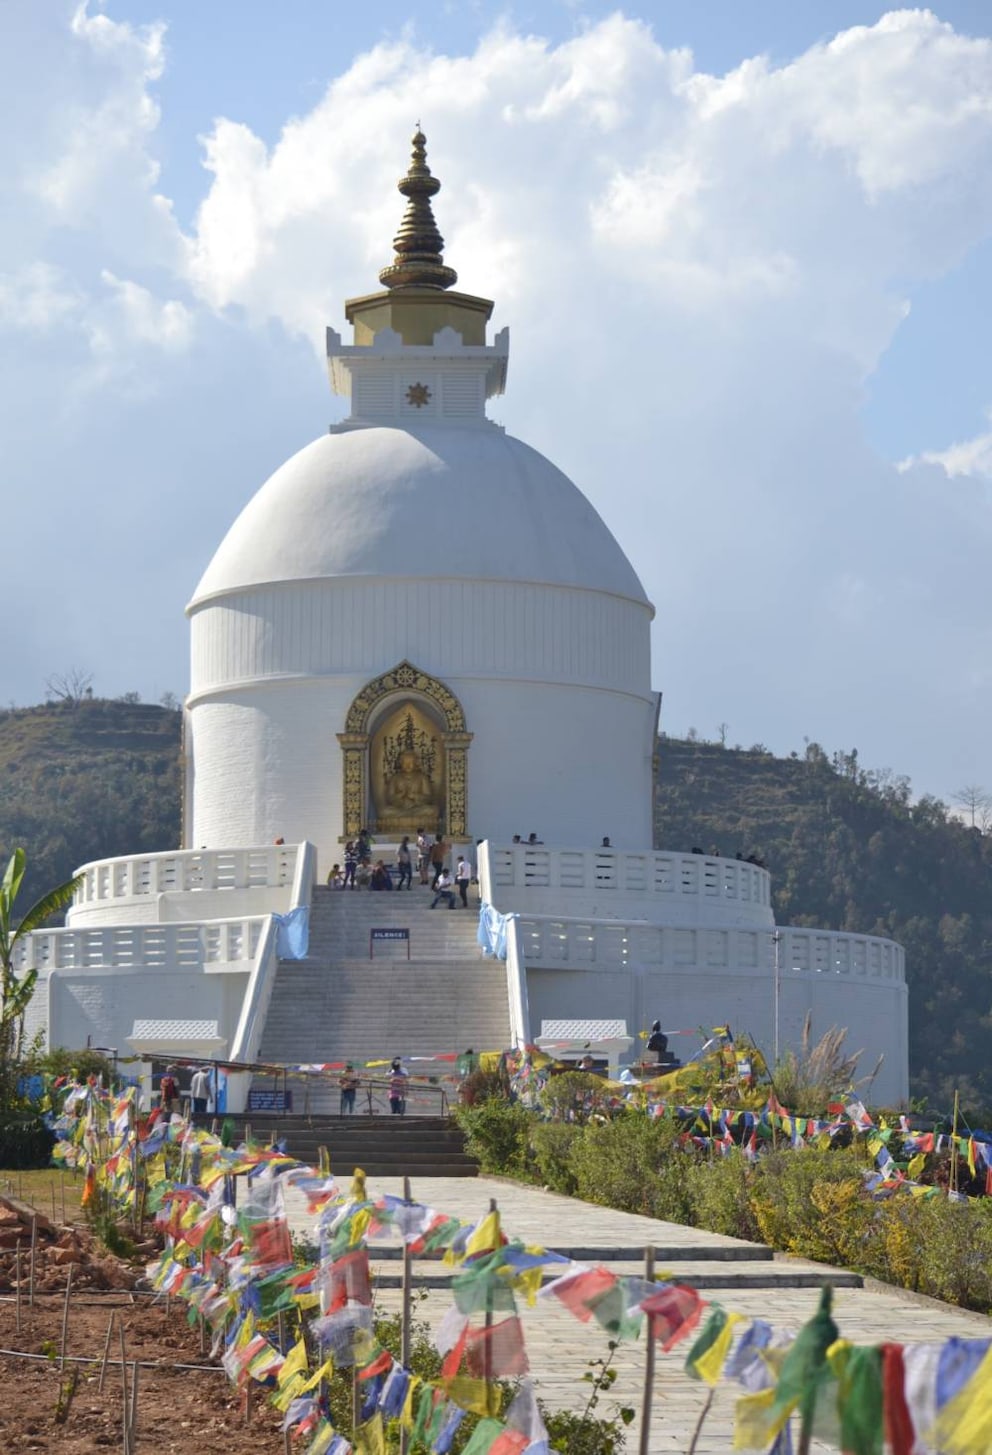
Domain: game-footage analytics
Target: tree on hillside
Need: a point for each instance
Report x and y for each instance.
(16, 991)
(70, 686)
(975, 800)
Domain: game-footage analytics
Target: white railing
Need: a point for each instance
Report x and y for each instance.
(258, 993)
(616, 882)
(516, 986)
(546, 941)
(136, 947)
(273, 867)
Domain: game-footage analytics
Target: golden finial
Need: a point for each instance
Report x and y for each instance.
(418, 262)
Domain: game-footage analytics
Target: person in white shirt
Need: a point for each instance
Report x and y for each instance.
(199, 1090)
(443, 890)
(463, 877)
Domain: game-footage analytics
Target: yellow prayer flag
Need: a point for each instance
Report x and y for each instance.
(486, 1238)
(370, 1438)
(324, 1371)
(709, 1366)
(406, 1415)
(964, 1425)
(916, 1165)
(757, 1422)
(295, 1362)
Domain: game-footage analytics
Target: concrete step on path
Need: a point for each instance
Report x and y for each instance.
(706, 1273)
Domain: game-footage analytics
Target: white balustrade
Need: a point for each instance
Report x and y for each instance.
(184, 871)
(137, 947)
(693, 888)
(545, 941)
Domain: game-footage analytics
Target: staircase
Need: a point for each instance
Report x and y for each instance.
(338, 1005)
(383, 1146)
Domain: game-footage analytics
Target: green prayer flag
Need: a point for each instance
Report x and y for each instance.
(484, 1437)
(706, 1338)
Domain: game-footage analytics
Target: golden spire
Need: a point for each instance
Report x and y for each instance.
(418, 262)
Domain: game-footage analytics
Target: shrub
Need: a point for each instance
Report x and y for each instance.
(497, 1133)
(575, 1096)
(719, 1194)
(797, 1211)
(634, 1163)
(25, 1141)
(552, 1146)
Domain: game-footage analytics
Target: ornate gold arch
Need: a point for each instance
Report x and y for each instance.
(404, 679)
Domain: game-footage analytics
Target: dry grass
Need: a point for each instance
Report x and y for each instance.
(38, 1187)
(807, 1079)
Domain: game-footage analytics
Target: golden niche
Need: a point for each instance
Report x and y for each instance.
(407, 762)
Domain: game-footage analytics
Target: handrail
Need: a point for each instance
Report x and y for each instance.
(258, 993)
(183, 944)
(132, 876)
(516, 985)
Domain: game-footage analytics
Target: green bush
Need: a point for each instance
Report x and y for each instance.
(25, 1142)
(634, 1163)
(497, 1134)
(951, 1248)
(812, 1201)
(719, 1194)
(552, 1146)
(575, 1096)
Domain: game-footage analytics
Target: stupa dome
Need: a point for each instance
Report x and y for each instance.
(420, 501)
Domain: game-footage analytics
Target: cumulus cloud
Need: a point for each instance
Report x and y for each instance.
(971, 457)
(700, 273)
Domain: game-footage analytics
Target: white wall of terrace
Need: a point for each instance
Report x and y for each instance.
(654, 886)
(703, 977)
(194, 884)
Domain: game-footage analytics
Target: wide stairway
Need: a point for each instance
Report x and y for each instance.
(340, 1005)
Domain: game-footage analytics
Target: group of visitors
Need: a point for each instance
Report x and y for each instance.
(348, 1083)
(431, 853)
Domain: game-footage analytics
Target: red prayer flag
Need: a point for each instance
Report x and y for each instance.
(348, 1280)
(497, 1351)
(899, 1431)
(672, 1313)
(581, 1289)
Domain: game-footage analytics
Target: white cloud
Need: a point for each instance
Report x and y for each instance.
(700, 272)
(968, 457)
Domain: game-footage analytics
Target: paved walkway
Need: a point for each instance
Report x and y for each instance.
(744, 1277)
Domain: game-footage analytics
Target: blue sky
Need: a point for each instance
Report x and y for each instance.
(755, 239)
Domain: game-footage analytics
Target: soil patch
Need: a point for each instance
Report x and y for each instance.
(178, 1409)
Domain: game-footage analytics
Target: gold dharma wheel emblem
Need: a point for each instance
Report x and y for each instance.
(418, 395)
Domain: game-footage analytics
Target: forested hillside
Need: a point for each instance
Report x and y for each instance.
(846, 848)
(84, 780)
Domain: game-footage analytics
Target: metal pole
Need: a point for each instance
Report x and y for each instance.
(405, 1323)
(644, 1447)
(777, 941)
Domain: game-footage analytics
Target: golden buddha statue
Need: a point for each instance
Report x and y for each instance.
(409, 788)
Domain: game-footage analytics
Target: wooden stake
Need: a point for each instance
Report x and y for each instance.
(487, 1358)
(18, 1302)
(699, 1423)
(65, 1316)
(405, 1322)
(51, 1187)
(356, 1408)
(125, 1428)
(248, 1402)
(645, 1440)
(203, 1335)
(34, 1250)
(954, 1146)
(106, 1351)
(64, 1224)
(132, 1424)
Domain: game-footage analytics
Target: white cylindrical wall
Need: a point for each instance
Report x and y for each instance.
(554, 683)
(566, 762)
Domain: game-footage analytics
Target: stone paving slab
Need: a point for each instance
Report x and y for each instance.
(560, 1347)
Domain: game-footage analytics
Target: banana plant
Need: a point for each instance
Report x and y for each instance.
(16, 990)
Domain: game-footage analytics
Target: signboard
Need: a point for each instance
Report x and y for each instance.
(261, 1100)
(389, 935)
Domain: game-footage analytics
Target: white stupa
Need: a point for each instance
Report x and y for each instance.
(419, 622)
